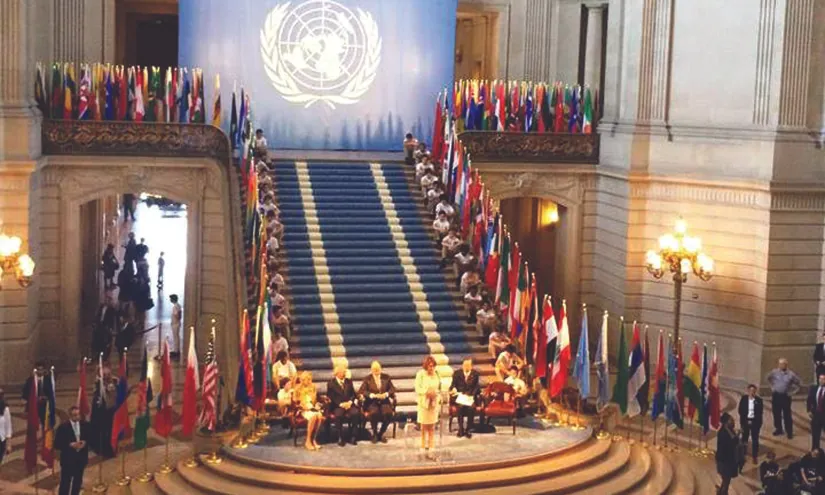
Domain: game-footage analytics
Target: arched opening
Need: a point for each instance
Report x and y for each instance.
(133, 284)
(537, 224)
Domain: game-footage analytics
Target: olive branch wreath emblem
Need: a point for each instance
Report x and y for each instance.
(287, 86)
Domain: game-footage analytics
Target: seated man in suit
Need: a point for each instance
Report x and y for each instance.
(465, 382)
(342, 400)
(378, 396)
(72, 440)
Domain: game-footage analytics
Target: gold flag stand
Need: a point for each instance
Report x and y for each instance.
(166, 467)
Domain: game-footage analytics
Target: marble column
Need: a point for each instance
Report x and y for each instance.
(593, 48)
(536, 43)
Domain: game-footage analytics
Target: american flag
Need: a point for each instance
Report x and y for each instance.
(210, 386)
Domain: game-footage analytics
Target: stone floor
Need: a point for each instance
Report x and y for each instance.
(532, 438)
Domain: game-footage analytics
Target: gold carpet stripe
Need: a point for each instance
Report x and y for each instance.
(425, 315)
(319, 259)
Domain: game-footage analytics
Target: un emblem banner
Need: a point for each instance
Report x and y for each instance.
(326, 74)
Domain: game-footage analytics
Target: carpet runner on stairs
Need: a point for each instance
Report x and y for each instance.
(364, 274)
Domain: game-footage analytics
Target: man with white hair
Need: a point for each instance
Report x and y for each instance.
(343, 403)
(378, 396)
(784, 383)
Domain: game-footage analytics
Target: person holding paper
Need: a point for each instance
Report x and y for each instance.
(378, 396)
(464, 395)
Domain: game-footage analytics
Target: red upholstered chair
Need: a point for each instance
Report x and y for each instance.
(297, 421)
(500, 402)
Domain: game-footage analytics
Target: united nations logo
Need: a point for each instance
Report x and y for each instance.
(320, 51)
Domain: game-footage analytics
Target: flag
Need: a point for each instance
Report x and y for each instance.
(643, 396)
(47, 450)
(142, 415)
(540, 339)
(659, 384)
(519, 296)
(32, 427)
(84, 94)
(82, 402)
(502, 288)
(259, 382)
(673, 407)
(183, 100)
(140, 111)
(703, 414)
(68, 91)
(622, 377)
(209, 394)
(243, 391)
(587, 119)
(57, 92)
(558, 124)
(692, 384)
(561, 362)
(40, 91)
(233, 122)
(636, 373)
(120, 422)
(551, 333)
(216, 107)
(163, 418)
(191, 385)
(573, 119)
(581, 368)
(602, 366)
(713, 400)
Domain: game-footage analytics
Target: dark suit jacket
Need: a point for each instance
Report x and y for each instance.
(368, 386)
(468, 386)
(42, 394)
(69, 457)
(812, 403)
(337, 394)
(757, 411)
(819, 359)
(727, 455)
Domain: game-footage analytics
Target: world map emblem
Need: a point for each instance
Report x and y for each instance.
(320, 51)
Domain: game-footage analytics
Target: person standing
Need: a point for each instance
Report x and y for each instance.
(819, 357)
(175, 325)
(72, 440)
(428, 392)
(128, 207)
(40, 391)
(463, 390)
(750, 417)
(727, 445)
(5, 427)
(109, 266)
(816, 410)
(784, 383)
(161, 266)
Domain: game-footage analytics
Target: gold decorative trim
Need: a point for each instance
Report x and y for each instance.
(490, 146)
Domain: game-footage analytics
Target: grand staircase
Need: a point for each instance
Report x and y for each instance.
(364, 275)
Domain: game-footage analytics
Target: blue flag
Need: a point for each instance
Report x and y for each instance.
(581, 368)
(602, 368)
(703, 413)
(673, 411)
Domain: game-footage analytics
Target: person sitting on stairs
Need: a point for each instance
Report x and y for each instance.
(441, 225)
(449, 246)
(472, 301)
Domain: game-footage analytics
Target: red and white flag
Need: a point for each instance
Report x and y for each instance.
(163, 419)
(561, 363)
(82, 395)
(209, 395)
(190, 389)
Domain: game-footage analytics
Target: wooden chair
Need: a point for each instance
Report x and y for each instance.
(298, 422)
(479, 413)
(500, 402)
(366, 417)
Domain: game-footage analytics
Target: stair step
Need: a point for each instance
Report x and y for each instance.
(660, 477)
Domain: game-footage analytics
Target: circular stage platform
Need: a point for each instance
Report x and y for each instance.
(533, 440)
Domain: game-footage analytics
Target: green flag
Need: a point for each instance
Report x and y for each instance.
(503, 289)
(144, 399)
(620, 387)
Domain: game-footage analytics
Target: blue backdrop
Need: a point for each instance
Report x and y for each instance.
(324, 74)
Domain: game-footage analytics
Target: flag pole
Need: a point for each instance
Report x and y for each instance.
(100, 487)
(147, 475)
(158, 356)
(166, 468)
(123, 480)
(36, 477)
(618, 436)
(667, 393)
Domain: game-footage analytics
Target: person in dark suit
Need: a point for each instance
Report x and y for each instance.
(377, 394)
(343, 400)
(816, 410)
(819, 357)
(727, 446)
(465, 381)
(37, 380)
(750, 417)
(72, 440)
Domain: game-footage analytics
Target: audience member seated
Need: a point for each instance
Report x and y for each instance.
(444, 206)
(276, 280)
(497, 342)
(422, 166)
(260, 143)
(519, 387)
(343, 404)
(472, 301)
(441, 225)
(284, 375)
(427, 181)
(464, 395)
(486, 321)
(276, 299)
(811, 471)
(507, 359)
(377, 393)
(769, 474)
(433, 194)
(449, 246)
(464, 261)
(420, 152)
(279, 321)
(470, 279)
(279, 343)
(305, 396)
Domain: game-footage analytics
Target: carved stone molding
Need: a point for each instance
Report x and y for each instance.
(694, 193)
(488, 146)
(798, 201)
(566, 188)
(79, 137)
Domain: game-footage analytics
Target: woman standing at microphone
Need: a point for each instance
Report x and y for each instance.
(428, 390)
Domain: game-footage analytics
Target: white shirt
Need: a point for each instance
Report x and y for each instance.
(5, 425)
(447, 208)
(272, 244)
(441, 226)
(76, 429)
(451, 242)
(427, 181)
(280, 345)
(519, 387)
(281, 370)
(176, 316)
(260, 143)
(751, 402)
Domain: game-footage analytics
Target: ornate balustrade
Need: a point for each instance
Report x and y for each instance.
(490, 146)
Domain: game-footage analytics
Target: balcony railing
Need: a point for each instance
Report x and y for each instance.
(493, 146)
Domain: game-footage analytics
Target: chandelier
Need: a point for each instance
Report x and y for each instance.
(13, 261)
